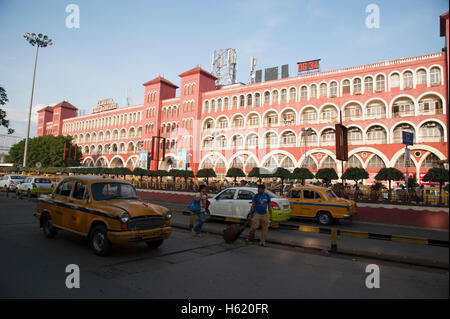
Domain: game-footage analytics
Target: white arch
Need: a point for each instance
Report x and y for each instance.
(388, 138)
(389, 79)
(444, 109)
(208, 118)
(274, 152)
(395, 98)
(444, 127)
(115, 157)
(375, 151)
(136, 162)
(288, 130)
(391, 141)
(270, 110)
(210, 154)
(399, 153)
(429, 73)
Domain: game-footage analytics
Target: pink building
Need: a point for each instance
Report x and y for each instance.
(286, 122)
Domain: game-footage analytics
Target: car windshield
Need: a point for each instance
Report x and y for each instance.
(105, 191)
(331, 194)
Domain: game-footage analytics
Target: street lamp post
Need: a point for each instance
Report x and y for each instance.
(38, 41)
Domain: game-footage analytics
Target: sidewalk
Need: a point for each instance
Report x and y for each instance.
(428, 217)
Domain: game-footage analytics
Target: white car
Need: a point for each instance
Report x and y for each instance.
(34, 182)
(236, 202)
(11, 181)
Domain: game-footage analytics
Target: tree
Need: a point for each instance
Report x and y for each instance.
(235, 172)
(389, 174)
(3, 121)
(206, 173)
(326, 175)
(283, 174)
(437, 175)
(48, 150)
(259, 172)
(355, 174)
(302, 173)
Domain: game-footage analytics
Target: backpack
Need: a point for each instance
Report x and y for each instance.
(194, 206)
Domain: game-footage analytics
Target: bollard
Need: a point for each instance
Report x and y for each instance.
(334, 239)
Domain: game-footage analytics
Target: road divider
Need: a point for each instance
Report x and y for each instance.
(334, 232)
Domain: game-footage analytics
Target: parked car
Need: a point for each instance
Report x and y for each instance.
(11, 181)
(31, 183)
(237, 201)
(320, 203)
(106, 211)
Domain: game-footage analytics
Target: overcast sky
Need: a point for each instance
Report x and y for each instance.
(122, 44)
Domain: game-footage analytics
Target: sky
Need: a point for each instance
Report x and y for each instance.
(120, 45)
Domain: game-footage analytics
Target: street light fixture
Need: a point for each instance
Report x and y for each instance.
(38, 41)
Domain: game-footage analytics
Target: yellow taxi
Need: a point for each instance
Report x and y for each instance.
(320, 203)
(104, 210)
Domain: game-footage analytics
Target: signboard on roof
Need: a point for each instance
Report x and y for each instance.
(105, 105)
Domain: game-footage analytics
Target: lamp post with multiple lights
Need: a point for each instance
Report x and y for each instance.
(38, 41)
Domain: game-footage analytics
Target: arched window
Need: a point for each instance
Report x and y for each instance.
(225, 103)
(368, 84)
(435, 76)
(380, 83)
(234, 102)
(242, 101)
(395, 80)
(257, 99)
(249, 99)
(292, 94)
(323, 89)
(357, 86)
(421, 77)
(333, 89)
(346, 87)
(401, 162)
(309, 163)
(328, 163)
(283, 95)
(407, 80)
(376, 162)
(431, 161)
(353, 161)
(275, 96)
(313, 91)
(304, 92)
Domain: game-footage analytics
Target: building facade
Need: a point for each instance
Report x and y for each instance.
(287, 123)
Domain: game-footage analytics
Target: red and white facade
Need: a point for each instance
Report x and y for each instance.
(287, 122)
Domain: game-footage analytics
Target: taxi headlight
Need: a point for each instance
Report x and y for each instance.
(168, 215)
(124, 217)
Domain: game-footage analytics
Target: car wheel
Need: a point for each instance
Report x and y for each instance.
(324, 218)
(18, 194)
(154, 244)
(47, 226)
(98, 240)
(28, 193)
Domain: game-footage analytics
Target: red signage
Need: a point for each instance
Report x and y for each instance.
(104, 105)
(308, 65)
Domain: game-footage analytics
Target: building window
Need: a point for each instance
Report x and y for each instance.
(368, 84)
(249, 99)
(241, 101)
(435, 76)
(395, 80)
(266, 98)
(333, 89)
(234, 102)
(376, 162)
(407, 80)
(346, 87)
(313, 90)
(380, 83)
(323, 89)
(283, 95)
(292, 94)
(357, 86)
(304, 92)
(257, 99)
(421, 77)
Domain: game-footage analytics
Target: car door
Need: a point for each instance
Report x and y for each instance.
(223, 203)
(310, 202)
(60, 203)
(242, 203)
(295, 201)
(77, 215)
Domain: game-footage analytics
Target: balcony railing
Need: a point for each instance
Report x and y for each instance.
(426, 139)
(403, 114)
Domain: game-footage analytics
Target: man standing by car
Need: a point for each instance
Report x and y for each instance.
(258, 214)
(201, 197)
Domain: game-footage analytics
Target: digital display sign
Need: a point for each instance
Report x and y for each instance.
(308, 65)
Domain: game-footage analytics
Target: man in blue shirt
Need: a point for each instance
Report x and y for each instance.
(258, 214)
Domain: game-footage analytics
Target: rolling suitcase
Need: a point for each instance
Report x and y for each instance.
(233, 231)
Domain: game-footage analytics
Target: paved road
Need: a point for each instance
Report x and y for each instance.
(189, 267)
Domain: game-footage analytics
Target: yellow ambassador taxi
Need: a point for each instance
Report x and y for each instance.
(320, 203)
(104, 210)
